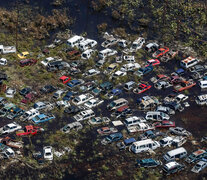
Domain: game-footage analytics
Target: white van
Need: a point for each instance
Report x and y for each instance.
(144, 145)
(201, 100)
(88, 43)
(87, 54)
(133, 121)
(74, 41)
(157, 116)
(202, 84)
(117, 103)
(178, 153)
(189, 62)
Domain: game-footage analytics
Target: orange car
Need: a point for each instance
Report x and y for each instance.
(160, 52)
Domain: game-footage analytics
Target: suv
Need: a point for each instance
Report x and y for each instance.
(172, 167)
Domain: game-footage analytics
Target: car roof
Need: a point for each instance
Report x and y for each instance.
(143, 142)
(41, 115)
(11, 125)
(175, 151)
(198, 152)
(171, 164)
(190, 58)
(63, 77)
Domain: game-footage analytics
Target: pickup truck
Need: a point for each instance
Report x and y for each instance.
(29, 130)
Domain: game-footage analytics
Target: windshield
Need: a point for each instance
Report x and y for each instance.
(5, 128)
(65, 128)
(48, 153)
(89, 103)
(85, 55)
(134, 45)
(77, 99)
(112, 104)
(163, 142)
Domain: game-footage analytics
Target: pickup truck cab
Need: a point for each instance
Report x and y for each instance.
(28, 115)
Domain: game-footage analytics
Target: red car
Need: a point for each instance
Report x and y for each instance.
(28, 98)
(74, 54)
(160, 52)
(176, 79)
(106, 130)
(65, 79)
(184, 85)
(28, 130)
(164, 124)
(141, 88)
(153, 62)
(27, 62)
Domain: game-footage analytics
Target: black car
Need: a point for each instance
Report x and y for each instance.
(69, 95)
(3, 76)
(72, 110)
(25, 91)
(48, 89)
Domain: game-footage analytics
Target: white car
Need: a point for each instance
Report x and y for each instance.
(199, 166)
(9, 128)
(78, 100)
(98, 120)
(84, 115)
(92, 72)
(93, 103)
(181, 97)
(10, 92)
(179, 131)
(87, 54)
(167, 141)
(3, 62)
(109, 42)
(106, 53)
(72, 126)
(47, 60)
(30, 114)
(47, 152)
(119, 74)
(63, 104)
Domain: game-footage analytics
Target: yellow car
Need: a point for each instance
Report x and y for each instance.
(23, 55)
(112, 67)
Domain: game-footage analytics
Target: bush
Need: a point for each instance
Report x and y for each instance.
(119, 172)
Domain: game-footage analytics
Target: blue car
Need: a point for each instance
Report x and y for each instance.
(114, 92)
(143, 71)
(42, 118)
(15, 113)
(112, 138)
(74, 83)
(68, 96)
(148, 163)
(180, 71)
